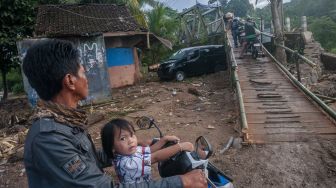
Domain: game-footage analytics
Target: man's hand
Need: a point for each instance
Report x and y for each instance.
(194, 179)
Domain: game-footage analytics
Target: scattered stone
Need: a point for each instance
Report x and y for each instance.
(210, 127)
(202, 98)
(3, 161)
(197, 84)
(237, 143)
(194, 91)
(22, 172)
(174, 92)
(17, 155)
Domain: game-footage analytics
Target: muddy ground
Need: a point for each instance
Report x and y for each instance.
(206, 106)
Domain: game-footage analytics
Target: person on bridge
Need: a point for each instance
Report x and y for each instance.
(235, 30)
(58, 151)
(250, 35)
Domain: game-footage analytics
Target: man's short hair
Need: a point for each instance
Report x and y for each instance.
(46, 64)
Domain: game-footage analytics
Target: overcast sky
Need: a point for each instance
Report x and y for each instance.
(181, 4)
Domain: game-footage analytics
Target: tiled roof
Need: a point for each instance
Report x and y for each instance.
(83, 19)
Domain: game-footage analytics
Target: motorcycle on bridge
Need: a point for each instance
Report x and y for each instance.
(253, 44)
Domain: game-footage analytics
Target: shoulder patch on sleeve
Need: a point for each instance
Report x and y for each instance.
(75, 166)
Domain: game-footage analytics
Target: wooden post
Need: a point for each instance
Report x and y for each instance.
(288, 26)
(304, 23)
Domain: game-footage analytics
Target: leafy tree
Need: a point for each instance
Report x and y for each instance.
(16, 17)
(135, 7)
(162, 22)
(239, 7)
(321, 19)
(324, 30)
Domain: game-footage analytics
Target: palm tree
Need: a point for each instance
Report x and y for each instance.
(135, 8)
(162, 22)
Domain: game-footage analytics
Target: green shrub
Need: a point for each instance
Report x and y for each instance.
(333, 51)
(324, 30)
(14, 81)
(17, 88)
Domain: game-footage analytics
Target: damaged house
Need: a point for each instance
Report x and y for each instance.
(107, 37)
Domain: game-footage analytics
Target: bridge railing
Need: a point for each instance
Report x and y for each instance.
(235, 79)
(294, 52)
(215, 26)
(297, 82)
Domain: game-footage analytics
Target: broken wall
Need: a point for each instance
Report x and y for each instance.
(122, 61)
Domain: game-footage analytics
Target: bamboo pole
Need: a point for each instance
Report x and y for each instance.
(325, 107)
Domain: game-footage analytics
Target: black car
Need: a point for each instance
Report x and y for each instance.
(192, 61)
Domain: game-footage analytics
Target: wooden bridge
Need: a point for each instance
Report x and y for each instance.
(276, 109)
(274, 106)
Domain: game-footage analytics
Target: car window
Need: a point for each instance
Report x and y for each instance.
(179, 54)
(204, 52)
(193, 54)
(219, 51)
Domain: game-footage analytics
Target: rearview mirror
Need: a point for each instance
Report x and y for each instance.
(145, 122)
(203, 148)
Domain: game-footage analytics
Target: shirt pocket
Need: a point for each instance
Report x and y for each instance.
(82, 145)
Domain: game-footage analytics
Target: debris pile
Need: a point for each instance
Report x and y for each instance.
(14, 123)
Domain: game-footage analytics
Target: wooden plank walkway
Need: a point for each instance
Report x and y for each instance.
(276, 110)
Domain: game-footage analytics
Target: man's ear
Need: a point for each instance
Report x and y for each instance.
(69, 82)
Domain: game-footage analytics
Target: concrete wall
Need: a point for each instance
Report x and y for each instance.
(93, 58)
(329, 61)
(122, 61)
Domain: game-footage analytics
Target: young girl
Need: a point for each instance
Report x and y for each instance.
(132, 162)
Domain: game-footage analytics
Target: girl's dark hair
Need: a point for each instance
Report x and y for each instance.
(108, 131)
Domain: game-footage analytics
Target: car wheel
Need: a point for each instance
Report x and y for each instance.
(179, 76)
